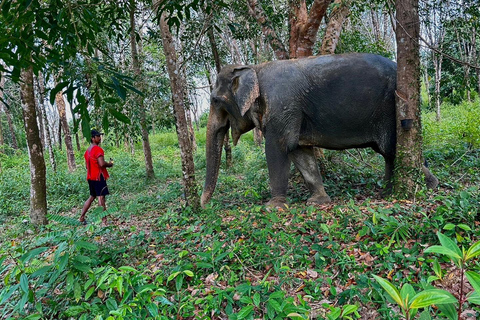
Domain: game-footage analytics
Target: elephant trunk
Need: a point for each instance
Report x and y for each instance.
(216, 129)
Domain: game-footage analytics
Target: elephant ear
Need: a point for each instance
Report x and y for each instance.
(245, 88)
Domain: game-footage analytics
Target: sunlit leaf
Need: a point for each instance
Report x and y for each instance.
(430, 297)
(391, 290)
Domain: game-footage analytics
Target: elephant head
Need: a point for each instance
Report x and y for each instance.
(232, 98)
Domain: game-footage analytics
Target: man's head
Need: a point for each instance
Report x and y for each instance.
(96, 136)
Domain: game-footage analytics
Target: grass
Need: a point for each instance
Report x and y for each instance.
(235, 259)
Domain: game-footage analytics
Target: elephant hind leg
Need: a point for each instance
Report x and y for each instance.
(304, 160)
(389, 167)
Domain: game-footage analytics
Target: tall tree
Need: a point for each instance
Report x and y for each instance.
(178, 95)
(41, 107)
(62, 113)
(38, 187)
(140, 100)
(2, 86)
(334, 26)
(409, 158)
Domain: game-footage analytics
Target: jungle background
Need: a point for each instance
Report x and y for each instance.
(144, 78)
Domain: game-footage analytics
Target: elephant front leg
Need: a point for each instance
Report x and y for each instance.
(304, 160)
(278, 171)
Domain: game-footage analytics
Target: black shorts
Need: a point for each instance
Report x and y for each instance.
(98, 188)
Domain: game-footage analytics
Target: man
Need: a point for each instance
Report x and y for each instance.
(97, 174)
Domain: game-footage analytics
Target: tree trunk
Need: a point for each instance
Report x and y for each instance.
(11, 127)
(41, 107)
(141, 107)
(409, 158)
(38, 187)
(178, 95)
(334, 27)
(437, 64)
(66, 131)
(2, 86)
(59, 134)
(304, 26)
(40, 121)
(255, 9)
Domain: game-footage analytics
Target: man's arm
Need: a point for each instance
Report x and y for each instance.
(103, 164)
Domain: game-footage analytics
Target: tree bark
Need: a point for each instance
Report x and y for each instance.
(409, 158)
(2, 86)
(40, 121)
(304, 26)
(334, 27)
(255, 9)
(41, 107)
(141, 107)
(178, 95)
(66, 131)
(38, 187)
(11, 127)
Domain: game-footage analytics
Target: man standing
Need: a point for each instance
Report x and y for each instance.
(97, 174)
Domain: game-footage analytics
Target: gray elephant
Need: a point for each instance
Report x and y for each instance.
(333, 102)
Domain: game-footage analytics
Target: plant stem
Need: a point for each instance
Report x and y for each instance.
(461, 298)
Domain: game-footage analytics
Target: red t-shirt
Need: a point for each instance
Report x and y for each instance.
(91, 161)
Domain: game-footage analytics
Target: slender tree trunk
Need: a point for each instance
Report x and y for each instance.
(334, 26)
(2, 86)
(11, 127)
(66, 131)
(38, 187)
(77, 140)
(141, 107)
(178, 92)
(257, 12)
(40, 121)
(59, 134)
(437, 64)
(409, 158)
(41, 106)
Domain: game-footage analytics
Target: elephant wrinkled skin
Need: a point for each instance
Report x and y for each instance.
(333, 102)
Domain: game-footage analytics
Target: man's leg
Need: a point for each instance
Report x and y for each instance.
(86, 206)
(101, 202)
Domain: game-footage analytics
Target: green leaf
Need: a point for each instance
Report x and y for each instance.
(437, 269)
(89, 293)
(275, 305)
(294, 315)
(473, 251)
(245, 312)
(189, 273)
(256, 299)
(59, 87)
(443, 250)
(449, 226)
(449, 243)
(127, 269)
(153, 309)
(449, 310)
(173, 276)
(464, 227)
(474, 297)
(32, 253)
(348, 309)
(407, 293)
(474, 279)
(119, 116)
(334, 314)
(391, 290)
(24, 282)
(86, 245)
(430, 297)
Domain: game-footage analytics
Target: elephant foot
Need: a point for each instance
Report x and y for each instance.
(318, 199)
(277, 203)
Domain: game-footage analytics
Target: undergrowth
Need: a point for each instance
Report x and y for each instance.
(236, 260)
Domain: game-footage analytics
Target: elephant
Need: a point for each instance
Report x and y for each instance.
(333, 102)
